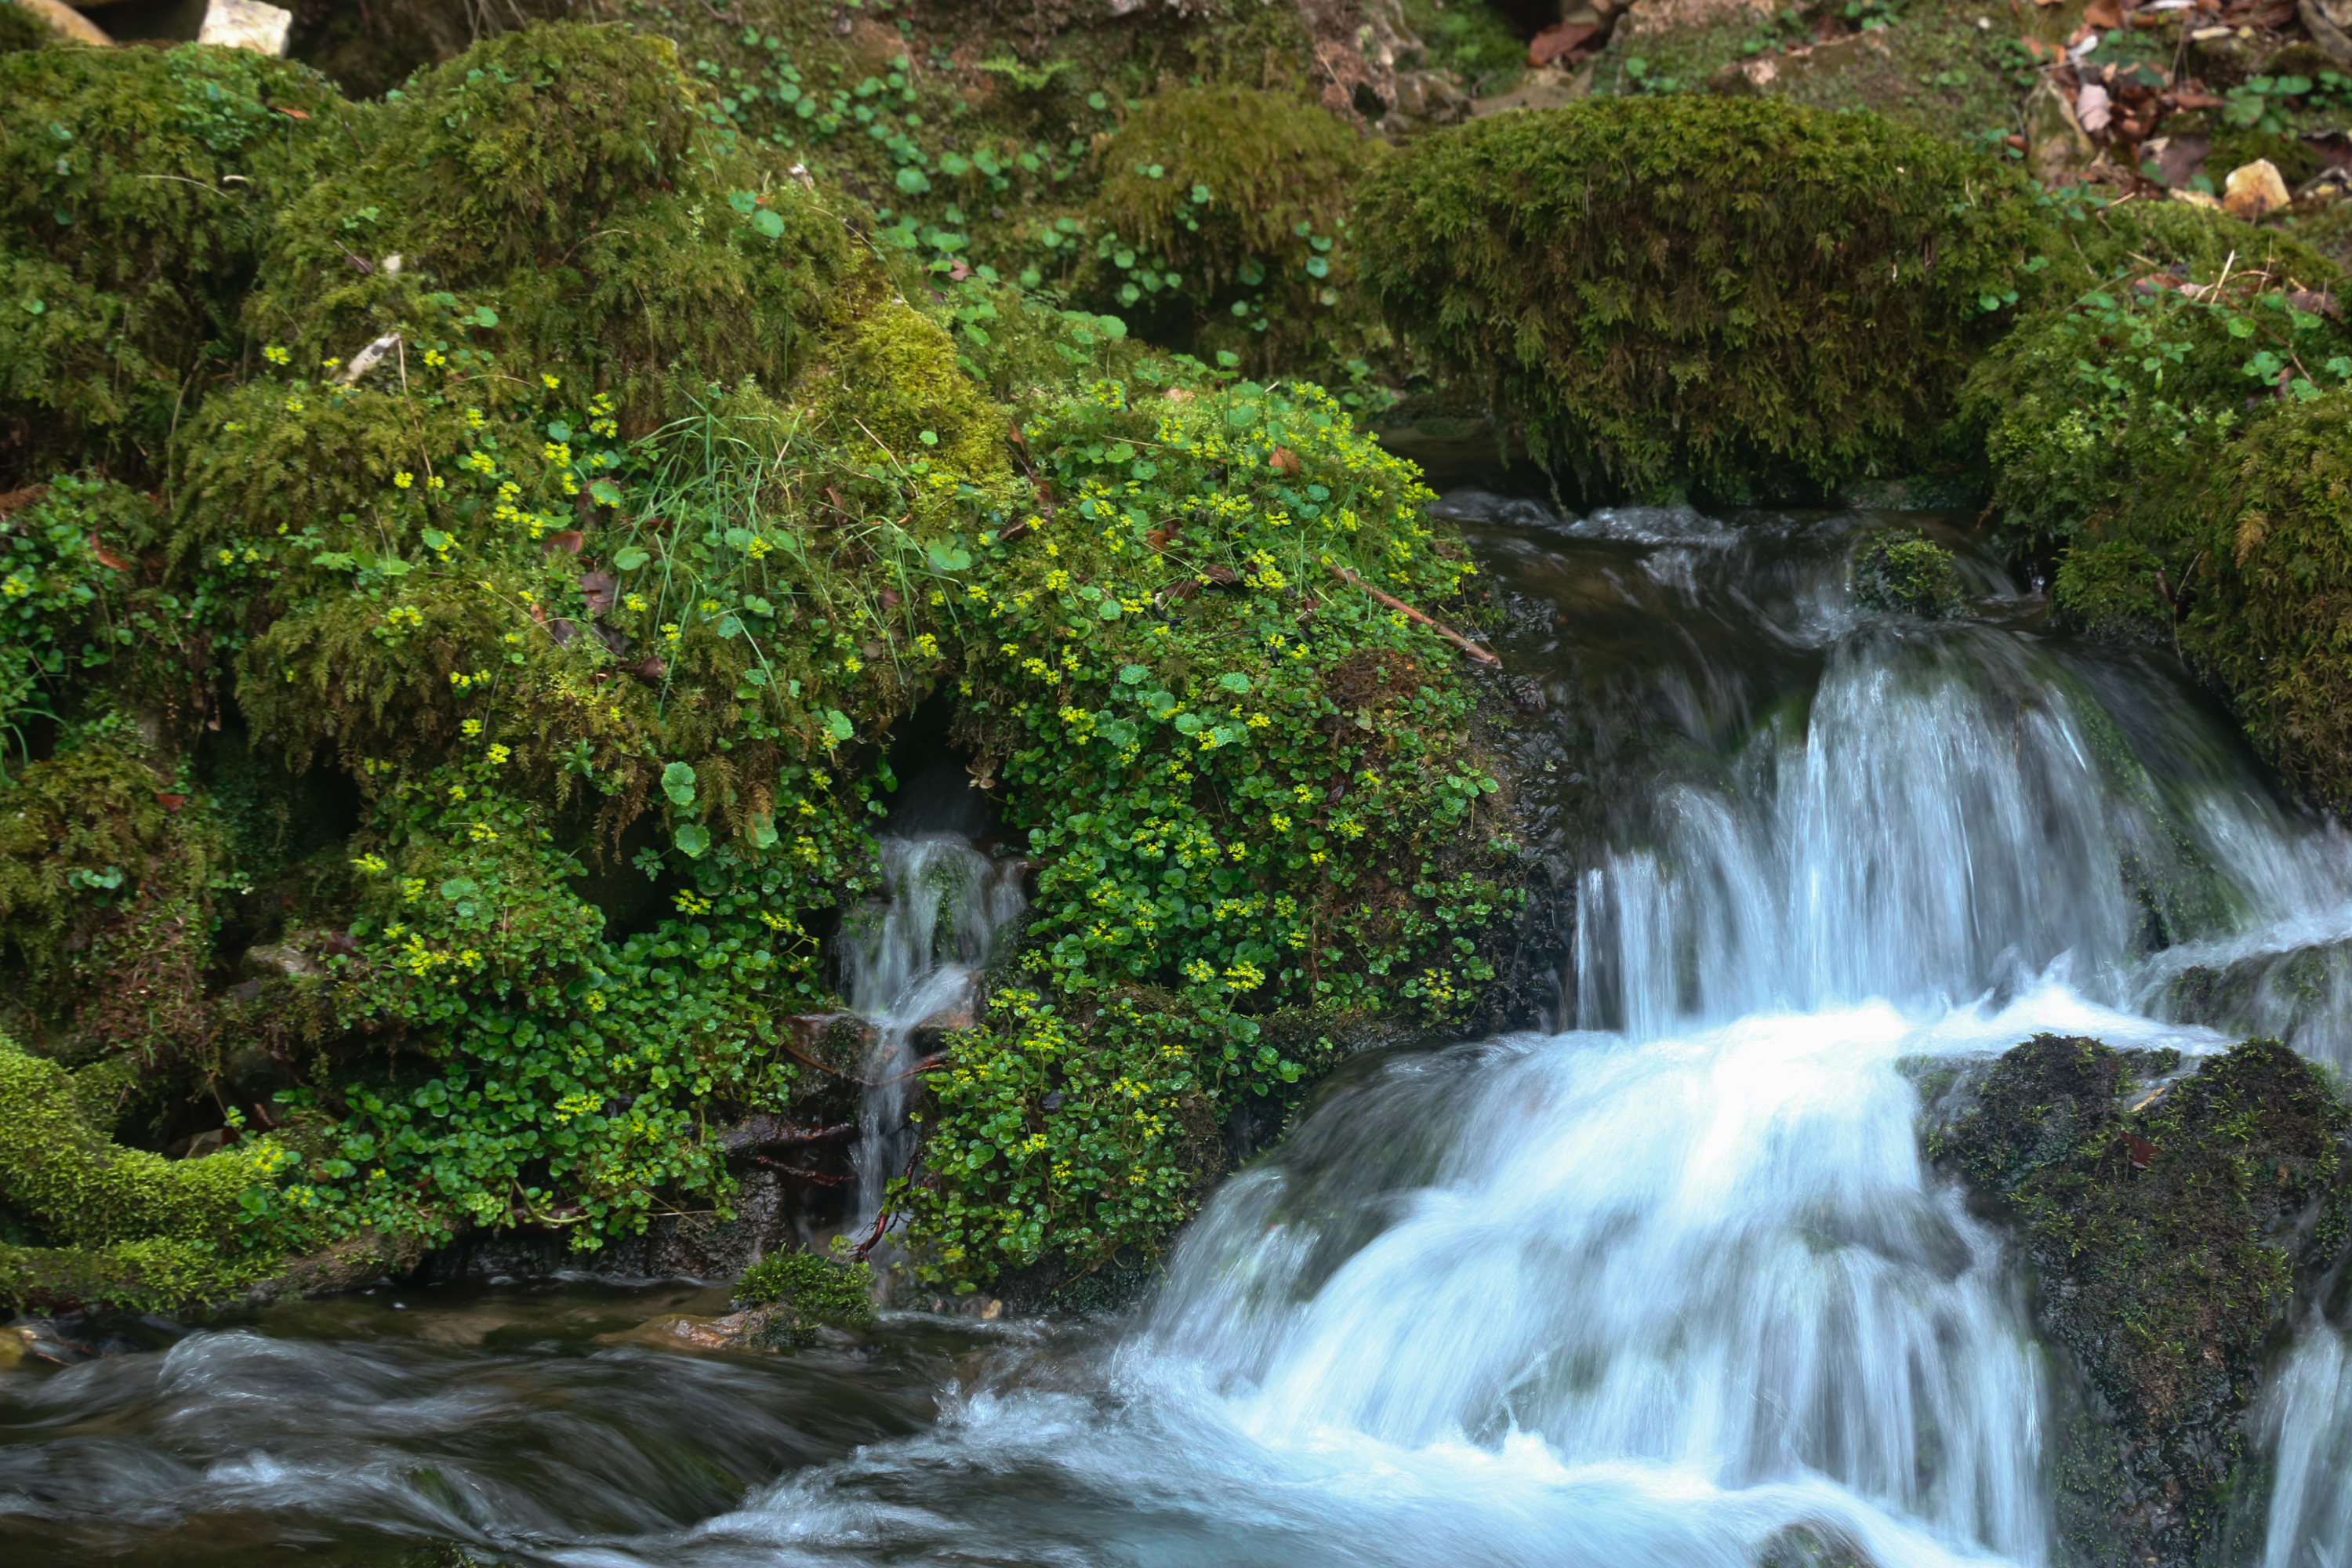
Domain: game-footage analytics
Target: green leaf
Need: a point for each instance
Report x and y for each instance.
(769, 223)
(914, 182)
(484, 317)
(693, 837)
(837, 724)
(604, 492)
(946, 557)
(763, 833)
(678, 783)
(629, 558)
(1236, 681)
(458, 887)
(1132, 674)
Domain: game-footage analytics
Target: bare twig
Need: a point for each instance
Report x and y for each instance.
(1392, 601)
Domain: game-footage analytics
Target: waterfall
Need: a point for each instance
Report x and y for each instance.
(1672, 1288)
(912, 964)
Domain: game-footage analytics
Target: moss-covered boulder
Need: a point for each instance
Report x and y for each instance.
(2277, 624)
(1740, 295)
(560, 183)
(1904, 571)
(1228, 209)
(93, 1224)
(2166, 1220)
(137, 188)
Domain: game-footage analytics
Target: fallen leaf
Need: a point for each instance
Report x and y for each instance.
(567, 540)
(107, 557)
(2092, 109)
(1284, 461)
(170, 802)
(2140, 1148)
(290, 113)
(1559, 38)
(597, 588)
(2103, 13)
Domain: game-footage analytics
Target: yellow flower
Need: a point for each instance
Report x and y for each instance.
(550, 382)
(403, 479)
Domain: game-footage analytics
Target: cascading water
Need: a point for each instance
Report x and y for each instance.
(914, 963)
(1672, 1287)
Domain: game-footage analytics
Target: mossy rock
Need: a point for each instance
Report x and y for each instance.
(796, 1293)
(560, 180)
(1904, 571)
(136, 189)
(1236, 202)
(2279, 618)
(122, 1227)
(2165, 1228)
(1734, 295)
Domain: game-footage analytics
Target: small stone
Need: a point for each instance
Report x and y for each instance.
(2254, 190)
(246, 25)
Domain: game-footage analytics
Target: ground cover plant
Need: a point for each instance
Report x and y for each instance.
(589, 492)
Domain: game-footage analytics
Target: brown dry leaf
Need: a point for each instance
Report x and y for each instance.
(107, 557)
(1284, 461)
(597, 588)
(170, 802)
(567, 540)
(2103, 13)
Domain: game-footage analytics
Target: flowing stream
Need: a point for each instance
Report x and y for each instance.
(1672, 1286)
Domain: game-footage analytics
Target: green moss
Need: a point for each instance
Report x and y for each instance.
(1227, 210)
(2109, 411)
(1737, 295)
(106, 871)
(2164, 1228)
(562, 181)
(2278, 618)
(804, 1292)
(2234, 147)
(1468, 38)
(1907, 573)
(20, 29)
(136, 186)
(125, 1228)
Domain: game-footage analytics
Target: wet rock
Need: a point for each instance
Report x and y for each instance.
(2254, 191)
(785, 1302)
(282, 958)
(2167, 1220)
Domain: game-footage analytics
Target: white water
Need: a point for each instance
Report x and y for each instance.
(1660, 1289)
(913, 963)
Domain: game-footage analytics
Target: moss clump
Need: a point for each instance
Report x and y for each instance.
(800, 1292)
(2108, 413)
(136, 188)
(106, 874)
(2277, 621)
(2165, 1229)
(122, 1227)
(1229, 208)
(20, 29)
(1906, 573)
(1741, 296)
(561, 183)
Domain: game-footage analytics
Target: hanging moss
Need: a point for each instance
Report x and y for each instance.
(124, 1227)
(136, 186)
(2166, 1227)
(1737, 295)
